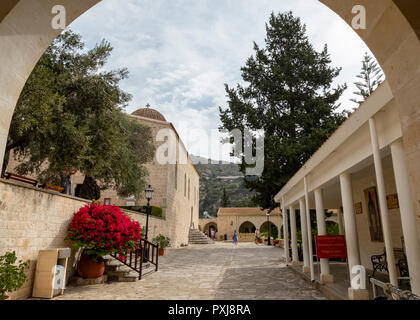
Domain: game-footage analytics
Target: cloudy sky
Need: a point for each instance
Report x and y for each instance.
(181, 52)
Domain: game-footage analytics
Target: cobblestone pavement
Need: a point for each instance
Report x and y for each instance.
(214, 271)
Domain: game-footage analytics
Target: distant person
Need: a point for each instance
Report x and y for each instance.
(257, 235)
(212, 233)
(235, 238)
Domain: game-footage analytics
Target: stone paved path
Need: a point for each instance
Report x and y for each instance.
(215, 271)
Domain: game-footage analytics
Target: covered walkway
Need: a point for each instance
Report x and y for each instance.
(361, 173)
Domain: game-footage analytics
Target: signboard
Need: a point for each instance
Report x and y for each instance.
(392, 201)
(358, 208)
(329, 247)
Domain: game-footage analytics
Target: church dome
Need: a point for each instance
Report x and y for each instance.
(149, 113)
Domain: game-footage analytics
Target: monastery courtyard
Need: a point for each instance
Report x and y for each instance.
(206, 272)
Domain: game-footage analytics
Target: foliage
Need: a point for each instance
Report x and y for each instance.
(214, 177)
(225, 199)
(103, 229)
(162, 241)
(274, 234)
(12, 276)
(289, 95)
(371, 77)
(332, 228)
(69, 117)
(154, 210)
(274, 231)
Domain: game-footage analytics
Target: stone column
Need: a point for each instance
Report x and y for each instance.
(295, 255)
(353, 254)
(309, 230)
(286, 232)
(326, 277)
(389, 248)
(408, 218)
(304, 231)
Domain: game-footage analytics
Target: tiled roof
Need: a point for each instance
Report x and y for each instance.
(245, 211)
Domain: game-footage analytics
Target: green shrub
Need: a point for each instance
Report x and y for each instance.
(12, 276)
(332, 229)
(154, 210)
(162, 241)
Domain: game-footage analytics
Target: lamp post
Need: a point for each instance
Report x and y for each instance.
(148, 192)
(269, 235)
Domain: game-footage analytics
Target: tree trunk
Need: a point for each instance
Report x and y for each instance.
(5, 162)
(90, 189)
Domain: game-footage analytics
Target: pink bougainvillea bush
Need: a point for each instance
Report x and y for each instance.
(103, 229)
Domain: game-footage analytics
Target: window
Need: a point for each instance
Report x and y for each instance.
(185, 185)
(188, 189)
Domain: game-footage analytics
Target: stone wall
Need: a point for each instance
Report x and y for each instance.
(32, 219)
(227, 224)
(176, 187)
(156, 225)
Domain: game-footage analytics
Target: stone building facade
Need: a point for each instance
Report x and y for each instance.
(33, 219)
(175, 181)
(243, 220)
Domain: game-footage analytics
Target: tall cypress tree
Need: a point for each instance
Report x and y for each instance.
(371, 77)
(289, 95)
(225, 199)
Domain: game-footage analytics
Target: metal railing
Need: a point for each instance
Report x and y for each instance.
(392, 292)
(146, 252)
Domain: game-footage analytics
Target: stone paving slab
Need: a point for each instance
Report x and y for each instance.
(206, 272)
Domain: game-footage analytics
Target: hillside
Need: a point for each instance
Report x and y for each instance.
(215, 177)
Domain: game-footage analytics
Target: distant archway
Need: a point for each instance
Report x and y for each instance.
(247, 227)
(209, 228)
(274, 232)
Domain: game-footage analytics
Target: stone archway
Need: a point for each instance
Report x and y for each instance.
(274, 229)
(209, 227)
(247, 227)
(392, 34)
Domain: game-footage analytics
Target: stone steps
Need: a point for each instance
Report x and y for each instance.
(197, 237)
(116, 271)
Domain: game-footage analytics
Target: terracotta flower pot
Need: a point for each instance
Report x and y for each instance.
(161, 252)
(89, 269)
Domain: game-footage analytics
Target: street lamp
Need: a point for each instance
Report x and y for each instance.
(269, 235)
(148, 192)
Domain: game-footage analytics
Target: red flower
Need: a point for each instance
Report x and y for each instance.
(104, 229)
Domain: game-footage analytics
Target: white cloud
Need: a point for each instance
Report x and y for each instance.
(181, 52)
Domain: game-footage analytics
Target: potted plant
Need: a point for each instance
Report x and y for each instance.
(12, 276)
(162, 242)
(101, 230)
